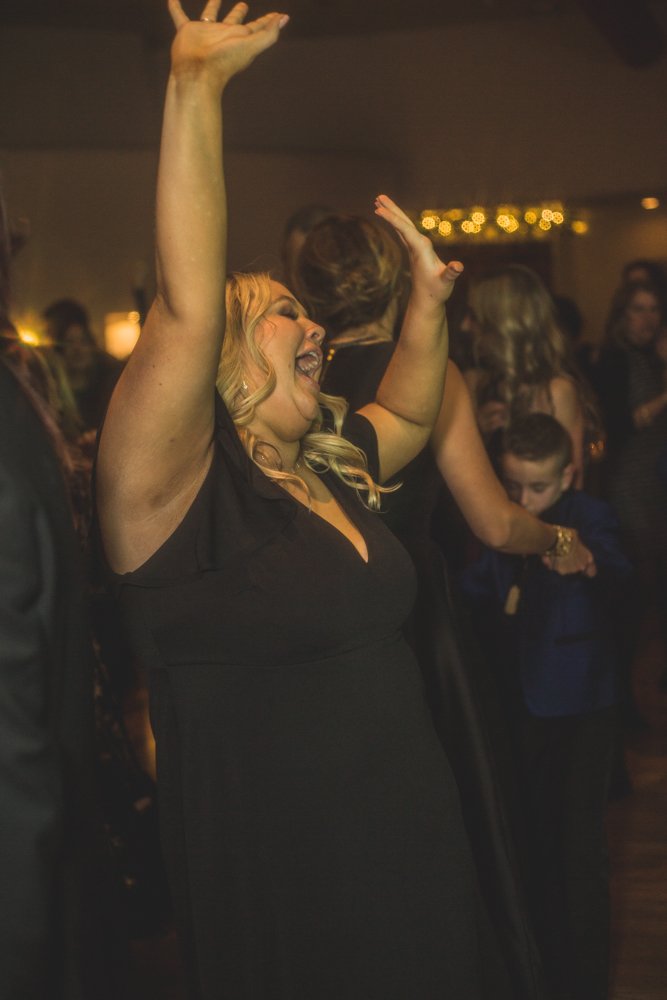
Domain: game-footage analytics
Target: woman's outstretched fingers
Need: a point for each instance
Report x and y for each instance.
(236, 15)
(384, 201)
(210, 11)
(177, 13)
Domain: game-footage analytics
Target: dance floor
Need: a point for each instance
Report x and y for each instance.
(637, 825)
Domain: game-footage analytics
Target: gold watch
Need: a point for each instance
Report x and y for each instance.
(562, 544)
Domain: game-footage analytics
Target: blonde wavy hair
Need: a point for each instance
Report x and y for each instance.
(520, 347)
(323, 449)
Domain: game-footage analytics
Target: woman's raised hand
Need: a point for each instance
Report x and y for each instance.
(221, 48)
(430, 277)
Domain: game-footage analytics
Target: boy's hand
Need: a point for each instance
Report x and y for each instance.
(578, 560)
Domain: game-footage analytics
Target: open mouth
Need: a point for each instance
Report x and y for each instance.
(309, 363)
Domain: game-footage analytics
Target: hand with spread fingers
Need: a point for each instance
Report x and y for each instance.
(222, 48)
(431, 278)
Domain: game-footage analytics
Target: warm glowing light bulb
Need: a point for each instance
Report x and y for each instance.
(650, 203)
(467, 226)
(530, 217)
(429, 222)
(478, 217)
(121, 332)
(558, 218)
(579, 227)
(547, 214)
(29, 337)
(545, 224)
(445, 228)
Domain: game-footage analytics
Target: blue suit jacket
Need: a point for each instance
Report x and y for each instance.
(562, 637)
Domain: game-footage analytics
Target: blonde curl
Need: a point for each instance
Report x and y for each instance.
(323, 448)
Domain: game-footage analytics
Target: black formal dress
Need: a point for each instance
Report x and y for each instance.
(54, 942)
(462, 698)
(310, 822)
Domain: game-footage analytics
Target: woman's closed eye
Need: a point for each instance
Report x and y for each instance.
(288, 308)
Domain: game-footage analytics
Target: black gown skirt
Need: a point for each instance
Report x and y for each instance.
(311, 824)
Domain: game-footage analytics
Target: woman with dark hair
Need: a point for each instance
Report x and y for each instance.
(91, 372)
(644, 271)
(630, 380)
(352, 279)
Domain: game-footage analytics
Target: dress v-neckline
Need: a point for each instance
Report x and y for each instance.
(310, 512)
(346, 538)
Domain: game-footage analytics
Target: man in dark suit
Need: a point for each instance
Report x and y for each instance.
(51, 889)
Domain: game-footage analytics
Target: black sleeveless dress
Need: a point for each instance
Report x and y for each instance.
(310, 822)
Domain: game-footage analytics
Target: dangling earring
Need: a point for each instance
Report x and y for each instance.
(244, 387)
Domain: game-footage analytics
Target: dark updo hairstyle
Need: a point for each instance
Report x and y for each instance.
(350, 270)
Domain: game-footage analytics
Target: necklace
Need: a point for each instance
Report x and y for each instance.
(297, 465)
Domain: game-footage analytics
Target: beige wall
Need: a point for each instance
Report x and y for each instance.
(513, 109)
(91, 216)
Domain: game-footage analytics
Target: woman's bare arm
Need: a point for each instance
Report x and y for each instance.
(465, 467)
(156, 445)
(408, 398)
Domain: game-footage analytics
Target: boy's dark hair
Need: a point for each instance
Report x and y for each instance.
(537, 436)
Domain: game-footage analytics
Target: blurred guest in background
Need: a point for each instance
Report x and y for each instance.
(646, 272)
(92, 373)
(54, 885)
(630, 383)
(523, 360)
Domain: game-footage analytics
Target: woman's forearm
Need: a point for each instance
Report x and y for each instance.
(191, 205)
(412, 386)
(413, 383)
(465, 466)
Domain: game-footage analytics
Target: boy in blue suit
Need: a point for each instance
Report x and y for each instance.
(554, 638)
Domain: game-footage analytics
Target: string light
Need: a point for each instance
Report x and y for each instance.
(650, 203)
(532, 221)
